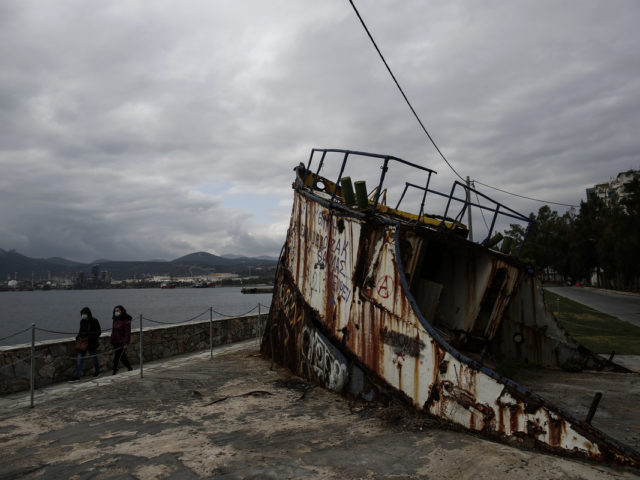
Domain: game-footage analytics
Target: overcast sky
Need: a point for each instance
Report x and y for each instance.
(136, 130)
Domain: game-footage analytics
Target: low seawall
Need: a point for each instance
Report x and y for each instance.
(55, 360)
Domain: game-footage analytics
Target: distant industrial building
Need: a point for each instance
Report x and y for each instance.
(209, 277)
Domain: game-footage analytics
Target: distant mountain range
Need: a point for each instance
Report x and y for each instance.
(13, 264)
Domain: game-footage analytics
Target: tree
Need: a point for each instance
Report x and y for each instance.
(547, 242)
(626, 231)
(602, 238)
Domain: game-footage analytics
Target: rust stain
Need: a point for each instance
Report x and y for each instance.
(501, 419)
(374, 345)
(416, 377)
(557, 430)
(515, 412)
(438, 357)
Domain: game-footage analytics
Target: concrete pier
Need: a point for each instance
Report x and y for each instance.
(238, 416)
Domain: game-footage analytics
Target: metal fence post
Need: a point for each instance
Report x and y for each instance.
(593, 407)
(259, 325)
(141, 356)
(33, 360)
(211, 332)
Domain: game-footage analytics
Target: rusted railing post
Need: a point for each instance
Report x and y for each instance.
(33, 361)
(258, 324)
(593, 407)
(211, 333)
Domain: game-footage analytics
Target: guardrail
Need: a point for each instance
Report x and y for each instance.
(52, 361)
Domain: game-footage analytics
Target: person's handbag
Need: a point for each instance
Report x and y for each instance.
(82, 343)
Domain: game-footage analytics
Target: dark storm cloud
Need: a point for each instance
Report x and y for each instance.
(118, 117)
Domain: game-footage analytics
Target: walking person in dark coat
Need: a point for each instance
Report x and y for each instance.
(89, 329)
(120, 337)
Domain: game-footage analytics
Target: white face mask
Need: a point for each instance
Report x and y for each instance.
(84, 316)
(116, 314)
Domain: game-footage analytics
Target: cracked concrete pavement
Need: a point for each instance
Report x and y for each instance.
(235, 417)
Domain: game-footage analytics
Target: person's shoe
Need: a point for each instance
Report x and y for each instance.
(130, 368)
(114, 372)
(74, 379)
(96, 374)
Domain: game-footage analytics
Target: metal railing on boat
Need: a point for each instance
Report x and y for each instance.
(443, 221)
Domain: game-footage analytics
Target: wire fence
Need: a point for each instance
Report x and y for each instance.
(27, 362)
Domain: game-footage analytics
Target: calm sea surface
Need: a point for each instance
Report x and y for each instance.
(59, 310)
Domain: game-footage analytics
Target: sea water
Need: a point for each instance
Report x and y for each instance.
(56, 313)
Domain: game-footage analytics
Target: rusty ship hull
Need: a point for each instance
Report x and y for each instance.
(371, 299)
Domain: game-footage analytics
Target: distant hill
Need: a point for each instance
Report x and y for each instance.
(203, 262)
(13, 263)
(204, 259)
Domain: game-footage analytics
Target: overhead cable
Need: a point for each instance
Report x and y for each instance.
(424, 129)
(524, 196)
(415, 114)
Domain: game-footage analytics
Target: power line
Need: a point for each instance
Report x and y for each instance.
(524, 196)
(402, 91)
(424, 129)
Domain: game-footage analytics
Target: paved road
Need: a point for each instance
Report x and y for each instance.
(624, 306)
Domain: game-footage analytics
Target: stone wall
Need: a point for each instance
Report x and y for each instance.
(56, 359)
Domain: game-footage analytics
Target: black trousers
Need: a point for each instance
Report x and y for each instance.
(120, 354)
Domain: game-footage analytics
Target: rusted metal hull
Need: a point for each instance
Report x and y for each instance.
(361, 301)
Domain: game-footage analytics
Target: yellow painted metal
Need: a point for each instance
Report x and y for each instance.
(329, 187)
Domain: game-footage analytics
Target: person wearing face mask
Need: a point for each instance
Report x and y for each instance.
(120, 337)
(89, 329)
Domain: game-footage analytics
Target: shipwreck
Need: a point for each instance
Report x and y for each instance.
(372, 298)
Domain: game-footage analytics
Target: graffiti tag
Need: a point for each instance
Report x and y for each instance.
(386, 287)
(324, 362)
(334, 253)
(404, 344)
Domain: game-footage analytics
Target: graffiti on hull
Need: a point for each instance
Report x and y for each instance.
(322, 361)
(402, 344)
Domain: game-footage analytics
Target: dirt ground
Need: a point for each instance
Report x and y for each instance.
(237, 416)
